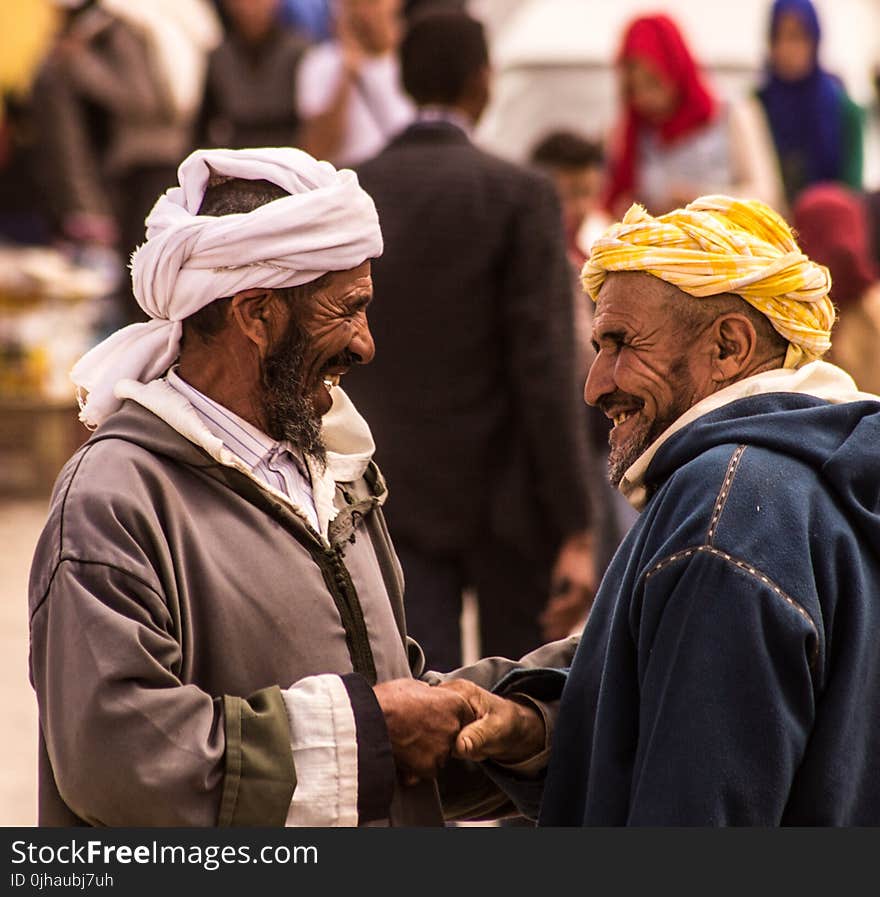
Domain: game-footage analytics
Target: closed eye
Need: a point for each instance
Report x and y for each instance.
(359, 304)
(612, 341)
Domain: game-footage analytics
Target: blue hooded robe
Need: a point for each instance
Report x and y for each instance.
(729, 673)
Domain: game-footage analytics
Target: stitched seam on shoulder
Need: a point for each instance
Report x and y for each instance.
(752, 571)
(45, 594)
(721, 501)
(64, 504)
(76, 560)
(61, 514)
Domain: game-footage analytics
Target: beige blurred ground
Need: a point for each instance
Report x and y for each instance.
(20, 525)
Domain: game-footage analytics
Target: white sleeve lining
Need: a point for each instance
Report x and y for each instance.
(323, 738)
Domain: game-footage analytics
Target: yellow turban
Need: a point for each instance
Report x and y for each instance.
(722, 245)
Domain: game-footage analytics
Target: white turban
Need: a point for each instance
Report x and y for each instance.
(328, 223)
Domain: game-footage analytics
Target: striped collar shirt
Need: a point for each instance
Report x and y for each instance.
(276, 464)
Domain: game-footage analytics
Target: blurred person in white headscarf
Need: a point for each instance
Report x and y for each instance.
(217, 627)
(114, 103)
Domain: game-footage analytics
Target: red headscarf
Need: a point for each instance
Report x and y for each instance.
(832, 226)
(656, 41)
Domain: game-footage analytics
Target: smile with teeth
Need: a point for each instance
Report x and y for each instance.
(331, 380)
(620, 418)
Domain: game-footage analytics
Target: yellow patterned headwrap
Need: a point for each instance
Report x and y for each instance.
(715, 245)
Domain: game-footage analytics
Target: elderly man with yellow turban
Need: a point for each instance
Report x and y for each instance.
(728, 673)
(217, 628)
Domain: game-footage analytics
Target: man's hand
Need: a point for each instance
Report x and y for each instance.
(374, 32)
(353, 54)
(423, 722)
(572, 588)
(503, 730)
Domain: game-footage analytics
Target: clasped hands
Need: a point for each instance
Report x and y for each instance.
(428, 724)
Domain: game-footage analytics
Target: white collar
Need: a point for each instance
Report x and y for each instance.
(236, 430)
(818, 378)
(444, 113)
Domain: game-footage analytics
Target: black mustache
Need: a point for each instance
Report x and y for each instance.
(344, 359)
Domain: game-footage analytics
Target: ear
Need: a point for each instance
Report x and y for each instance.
(260, 316)
(734, 340)
(476, 92)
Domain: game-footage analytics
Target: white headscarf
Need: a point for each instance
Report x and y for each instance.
(328, 223)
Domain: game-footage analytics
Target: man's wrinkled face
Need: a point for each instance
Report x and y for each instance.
(647, 371)
(325, 336)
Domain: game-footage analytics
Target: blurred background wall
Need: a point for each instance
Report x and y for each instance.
(554, 59)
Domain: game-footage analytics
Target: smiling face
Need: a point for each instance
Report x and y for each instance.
(650, 365)
(326, 333)
(334, 322)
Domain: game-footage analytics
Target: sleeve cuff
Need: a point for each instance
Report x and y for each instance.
(323, 741)
(537, 683)
(259, 771)
(375, 761)
(345, 769)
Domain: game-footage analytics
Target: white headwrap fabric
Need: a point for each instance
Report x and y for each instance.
(328, 223)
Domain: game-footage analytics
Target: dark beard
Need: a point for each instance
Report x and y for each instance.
(287, 399)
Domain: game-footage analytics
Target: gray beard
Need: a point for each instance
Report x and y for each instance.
(620, 459)
(288, 405)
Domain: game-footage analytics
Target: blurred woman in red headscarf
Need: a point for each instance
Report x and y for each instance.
(677, 140)
(832, 225)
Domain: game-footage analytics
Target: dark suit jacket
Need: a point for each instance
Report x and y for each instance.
(472, 396)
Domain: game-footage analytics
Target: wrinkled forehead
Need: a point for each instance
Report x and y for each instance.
(356, 282)
(340, 290)
(634, 292)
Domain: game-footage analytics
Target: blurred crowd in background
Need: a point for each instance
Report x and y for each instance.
(109, 96)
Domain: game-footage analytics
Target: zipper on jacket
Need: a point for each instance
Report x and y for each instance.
(348, 604)
(329, 560)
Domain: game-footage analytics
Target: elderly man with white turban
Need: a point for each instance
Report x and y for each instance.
(217, 628)
(728, 673)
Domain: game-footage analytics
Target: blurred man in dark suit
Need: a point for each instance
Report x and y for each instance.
(473, 398)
